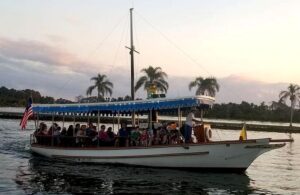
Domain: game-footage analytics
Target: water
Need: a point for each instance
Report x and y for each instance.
(275, 172)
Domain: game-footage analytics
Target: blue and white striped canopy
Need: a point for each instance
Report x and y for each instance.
(127, 106)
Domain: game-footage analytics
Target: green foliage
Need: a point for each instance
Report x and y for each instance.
(153, 76)
(249, 111)
(13, 97)
(103, 86)
(205, 86)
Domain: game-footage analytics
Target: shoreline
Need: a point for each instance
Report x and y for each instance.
(214, 124)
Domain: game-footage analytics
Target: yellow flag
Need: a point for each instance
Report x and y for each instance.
(243, 134)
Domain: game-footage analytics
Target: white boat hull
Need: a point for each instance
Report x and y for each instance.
(215, 155)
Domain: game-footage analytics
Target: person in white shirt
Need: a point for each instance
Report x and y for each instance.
(189, 124)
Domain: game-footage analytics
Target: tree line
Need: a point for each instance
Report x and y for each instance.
(154, 81)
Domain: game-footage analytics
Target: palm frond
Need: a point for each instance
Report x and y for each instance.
(140, 82)
(90, 90)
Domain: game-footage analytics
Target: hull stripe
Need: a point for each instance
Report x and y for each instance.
(135, 156)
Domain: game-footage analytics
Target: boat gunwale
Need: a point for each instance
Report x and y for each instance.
(150, 147)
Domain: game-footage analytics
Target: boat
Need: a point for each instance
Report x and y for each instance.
(230, 155)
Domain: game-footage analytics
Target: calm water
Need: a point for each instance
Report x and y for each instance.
(276, 172)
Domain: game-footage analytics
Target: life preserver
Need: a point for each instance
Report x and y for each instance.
(208, 134)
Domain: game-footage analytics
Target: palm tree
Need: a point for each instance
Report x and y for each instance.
(205, 85)
(154, 78)
(293, 93)
(103, 85)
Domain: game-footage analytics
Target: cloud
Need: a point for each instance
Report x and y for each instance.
(39, 53)
(58, 73)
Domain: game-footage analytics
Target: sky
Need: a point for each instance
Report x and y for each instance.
(56, 46)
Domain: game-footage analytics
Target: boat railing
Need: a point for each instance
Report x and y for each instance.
(86, 141)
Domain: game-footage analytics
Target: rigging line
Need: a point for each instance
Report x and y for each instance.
(109, 34)
(97, 47)
(174, 44)
(118, 48)
(182, 51)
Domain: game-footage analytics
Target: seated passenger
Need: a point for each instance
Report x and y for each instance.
(111, 136)
(134, 137)
(144, 138)
(103, 137)
(80, 136)
(70, 130)
(123, 135)
(52, 129)
(163, 133)
(157, 139)
(92, 135)
(77, 128)
(56, 131)
(41, 133)
(90, 131)
(63, 132)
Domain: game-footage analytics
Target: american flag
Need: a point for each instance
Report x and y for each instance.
(27, 114)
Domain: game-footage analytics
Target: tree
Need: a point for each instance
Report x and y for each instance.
(154, 78)
(205, 86)
(293, 93)
(103, 85)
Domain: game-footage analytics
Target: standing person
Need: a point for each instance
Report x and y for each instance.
(189, 124)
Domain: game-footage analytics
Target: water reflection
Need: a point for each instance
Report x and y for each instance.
(46, 175)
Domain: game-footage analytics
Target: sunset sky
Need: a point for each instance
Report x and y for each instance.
(56, 46)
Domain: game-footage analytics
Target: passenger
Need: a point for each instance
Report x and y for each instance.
(157, 139)
(80, 136)
(173, 133)
(63, 132)
(144, 138)
(43, 129)
(52, 129)
(90, 131)
(77, 128)
(70, 130)
(163, 135)
(111, 136)
(134, 137)
(123, 135)
(56, 134)
(103, 137)
(41, 134)
(92, 135)
(56, 131)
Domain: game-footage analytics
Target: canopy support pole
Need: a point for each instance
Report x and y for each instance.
(35, 122)
(150, 129)
(74, 125)
(63, 125)
(179, 117)
(113, 121)
(37, 118)
(88, 115)
(52, 140)
(98, 120)
(201, 114)
(118, 120)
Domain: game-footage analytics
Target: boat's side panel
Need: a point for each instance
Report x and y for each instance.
(195, 156)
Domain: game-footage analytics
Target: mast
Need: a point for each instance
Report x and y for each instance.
(132, 55)
(132, 50)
